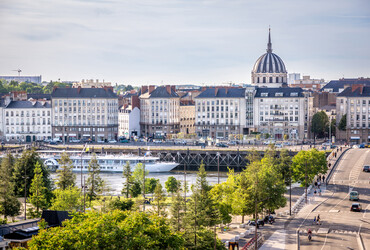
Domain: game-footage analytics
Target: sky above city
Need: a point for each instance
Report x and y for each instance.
(182, 41)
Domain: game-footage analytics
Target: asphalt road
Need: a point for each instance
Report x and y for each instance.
(340, 226)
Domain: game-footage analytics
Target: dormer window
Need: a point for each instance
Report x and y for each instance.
(279, 94)
(294, 94)
(264, 94)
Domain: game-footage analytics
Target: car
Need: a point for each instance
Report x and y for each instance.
(232, 143)
(157, 141)
(57, 140)
(100, 141)
(221, 145)
(75, 141)
(47, 140)
(366, 169)
(353, 196)
(355, 146)
(326, 144)
(287, 143)
(112, 141)
(362, 145)
(53, 143)
(253, 223)
(356, 207)
(278, 145)
(124, 141)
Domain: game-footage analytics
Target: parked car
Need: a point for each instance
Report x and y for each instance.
(124, 140)
(287, 143)
(100, 141)
(232, 143)
(362, 145)
(278, 145)
(366, 169)
(112, 141)
(353, 196)
(75, 141)
(53, 143)
(221, 145)
(356, 207)
(253, 223)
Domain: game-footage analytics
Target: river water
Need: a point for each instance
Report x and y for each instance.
(114, 181)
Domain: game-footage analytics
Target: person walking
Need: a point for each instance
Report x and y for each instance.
(319, 191)
(318, 220)
(319, 184)
(323, 179)
(315, 184)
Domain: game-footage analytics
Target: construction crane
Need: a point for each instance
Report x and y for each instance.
(18, 70)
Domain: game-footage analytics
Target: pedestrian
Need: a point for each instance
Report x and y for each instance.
(318, 220)
(323, 178)
(314, 192)
(319, 191)
(315, 183)
(314, 220)
(319, 184)
(329, 165)
(319, 177)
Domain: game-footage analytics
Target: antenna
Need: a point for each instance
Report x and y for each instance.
(18, 70)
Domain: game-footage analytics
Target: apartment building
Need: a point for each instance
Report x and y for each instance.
(84, 113)
(129, 118)
(160, 111)
(279, 112)
(220, 112)
(187, 117)
(354, 102)
(27, 120)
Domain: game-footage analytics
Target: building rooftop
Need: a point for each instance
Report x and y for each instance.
(161, 92)
(39, 96)
(222, 93)
(279, 92)
(83, 93)
(356, 91)
(27, 105)
(338, 85)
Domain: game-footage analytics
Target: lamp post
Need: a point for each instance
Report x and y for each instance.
(144, 183)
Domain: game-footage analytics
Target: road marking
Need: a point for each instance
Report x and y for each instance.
(364, 215)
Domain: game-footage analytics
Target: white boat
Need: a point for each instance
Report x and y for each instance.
(112, 163)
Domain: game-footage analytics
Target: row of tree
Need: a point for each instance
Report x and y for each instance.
(172, 220)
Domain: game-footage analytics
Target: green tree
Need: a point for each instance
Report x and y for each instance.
(205, 239)
(177, 211)
(284, 165)
(150, 185)
(94, 181)
(38, 190)
(159, 199)
(267, 135)
(127, 174)
(135, 190)
(172, 185)
(65, 177)
(286, 137)
(9, 204)
(312, 163)
(123, 205)
(24, 172)
(68, 199)
(201, 210)
(138, 175)
(343, 123)
(320, 123)
(113, 230)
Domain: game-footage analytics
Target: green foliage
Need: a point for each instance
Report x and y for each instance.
(138, 175)
(258, 137)
(150, 185)
(9, 204)
(127, 174)
(172, 185)
(50, 86)
(343, 123)
(286, 137)
(69, 199)
(123, 88)
(123, 205)
(94, 181)
(38, 190)
(202, 209)
(112, 230)
(159, 199)
(312, 162)
(135, 190)
(320, 123)
(203, 238)
(177, 211)
(283, 167)
(24, 167)
(66, 178)
(267, 135)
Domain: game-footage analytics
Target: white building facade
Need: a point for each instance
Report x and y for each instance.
(279, 112)
(129, 121)
(220, 112)
(27, 121)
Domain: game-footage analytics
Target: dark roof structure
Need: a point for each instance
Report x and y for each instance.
(27, 105)
(39, 96)
(336, 85)
(21, 234)
(279, 92)
(269, 62)
(55, 218)
(222, 93)
(83, 93)
(163, 92)
(355, 91)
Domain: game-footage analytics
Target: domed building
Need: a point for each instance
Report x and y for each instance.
(269, 70)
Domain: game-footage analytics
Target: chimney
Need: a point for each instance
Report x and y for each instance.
(135, 101)
(216, 91)
(357, 86)
(226, 89)
(173, 87)
(78, 89)
(144, 89)
(168, 88)
(151, 88)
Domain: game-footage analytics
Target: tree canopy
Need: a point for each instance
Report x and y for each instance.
(320, 124)
(343, 123)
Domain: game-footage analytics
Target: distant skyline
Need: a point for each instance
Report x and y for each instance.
(182, 41)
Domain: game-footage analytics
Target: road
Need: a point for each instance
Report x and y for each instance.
(340, 226)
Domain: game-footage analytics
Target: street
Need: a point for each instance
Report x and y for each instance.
(339, 226)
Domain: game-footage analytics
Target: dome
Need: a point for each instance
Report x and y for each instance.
(269, 63)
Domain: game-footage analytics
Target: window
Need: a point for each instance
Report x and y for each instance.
(264, 94)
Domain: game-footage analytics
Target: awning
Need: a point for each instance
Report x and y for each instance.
(355, 138)
(72, 134)
(101, 134)
(58, 134)
(86, 135)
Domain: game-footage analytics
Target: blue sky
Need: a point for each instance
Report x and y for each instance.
(182, 41)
